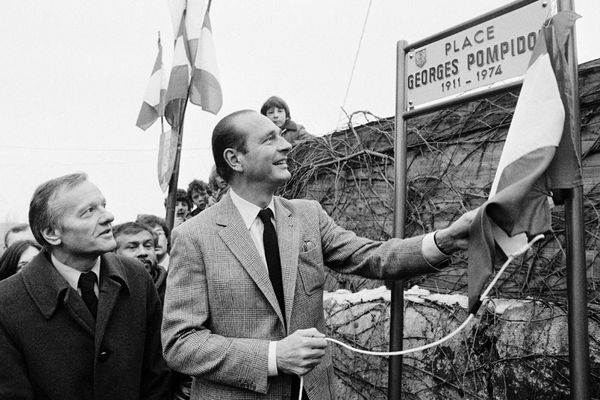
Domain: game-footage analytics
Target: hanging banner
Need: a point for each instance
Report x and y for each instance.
(481, 55)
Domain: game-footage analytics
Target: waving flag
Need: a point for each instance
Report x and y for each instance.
(194, 17)
(205, 90)
(536, 158)
(153, 105)
(177, 91)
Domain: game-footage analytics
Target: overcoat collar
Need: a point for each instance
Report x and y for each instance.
(48, 289)
(237, 237)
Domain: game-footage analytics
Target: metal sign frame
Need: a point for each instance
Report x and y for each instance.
(576, 268)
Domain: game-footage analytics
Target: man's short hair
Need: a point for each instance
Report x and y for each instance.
(278, 102)
(227, 135)
(196, 186)
(152, 221)
(15, 229)
(43, 213)
(132, 228)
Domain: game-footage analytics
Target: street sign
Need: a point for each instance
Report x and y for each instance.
(491, 51)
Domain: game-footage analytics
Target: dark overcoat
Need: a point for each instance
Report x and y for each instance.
(50, 347)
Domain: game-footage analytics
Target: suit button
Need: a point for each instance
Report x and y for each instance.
(103, 356)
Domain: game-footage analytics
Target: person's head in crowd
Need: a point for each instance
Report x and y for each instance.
(159, 227)
(277, 110)
(135, 240)
(16, 233)
(68, 217)
(199, 193)
(17, 256)
(182, 206)
(215, 182)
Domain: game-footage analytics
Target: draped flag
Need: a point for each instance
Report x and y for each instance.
(167, 151)
(205, 90)
(153, 105)
(536, 158)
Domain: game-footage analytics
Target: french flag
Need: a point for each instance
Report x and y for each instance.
(536, 159)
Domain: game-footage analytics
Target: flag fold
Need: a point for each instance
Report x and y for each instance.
(153, 105)
(205, 90)
(536, 159)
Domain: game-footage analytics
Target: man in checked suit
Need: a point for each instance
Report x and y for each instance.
(78, 322)
(241, 328)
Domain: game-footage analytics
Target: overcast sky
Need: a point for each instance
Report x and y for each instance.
(74, 74)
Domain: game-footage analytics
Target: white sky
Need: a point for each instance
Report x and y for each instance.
(74, 74)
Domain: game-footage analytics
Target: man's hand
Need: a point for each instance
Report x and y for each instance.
(456, 236)
(300, 352)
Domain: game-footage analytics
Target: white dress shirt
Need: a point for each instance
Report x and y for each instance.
(72, 275)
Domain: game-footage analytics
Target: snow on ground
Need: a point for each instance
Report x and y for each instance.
(415, 295)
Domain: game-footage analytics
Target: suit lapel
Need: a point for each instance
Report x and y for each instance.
(237, 238)
(288, 237)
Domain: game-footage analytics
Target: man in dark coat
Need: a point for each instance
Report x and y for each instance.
(79, 322)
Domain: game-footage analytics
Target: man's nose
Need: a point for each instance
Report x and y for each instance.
(141, 252)
(107, 217)
(284, 145)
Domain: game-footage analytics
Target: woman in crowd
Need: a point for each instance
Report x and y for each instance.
(17, 256)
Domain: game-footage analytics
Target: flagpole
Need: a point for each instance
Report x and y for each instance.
(579, 366)
(173, 182)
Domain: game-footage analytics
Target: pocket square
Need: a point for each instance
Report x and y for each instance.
(307, 245)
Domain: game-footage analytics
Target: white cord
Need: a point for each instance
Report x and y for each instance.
(482, 298)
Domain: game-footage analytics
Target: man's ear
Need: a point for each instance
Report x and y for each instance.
(231, 157)
(52, 236)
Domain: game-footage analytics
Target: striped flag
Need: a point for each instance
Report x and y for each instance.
(194, 17)
(177, 91)
(536, 158)
(205, 90)
(153, 105)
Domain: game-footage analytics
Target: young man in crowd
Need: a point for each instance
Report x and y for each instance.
(159, 227)
(137, 241)
(199, 195)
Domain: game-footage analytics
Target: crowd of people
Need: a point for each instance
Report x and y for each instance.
(227, 305)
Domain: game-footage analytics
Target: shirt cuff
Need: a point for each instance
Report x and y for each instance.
(431, 252)
(272, 360)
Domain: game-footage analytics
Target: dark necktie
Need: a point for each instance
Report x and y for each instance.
(272, 256)
(86, 285)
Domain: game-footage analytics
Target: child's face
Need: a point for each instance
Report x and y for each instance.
(277, 115)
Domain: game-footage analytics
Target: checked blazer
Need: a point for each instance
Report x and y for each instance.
(220, 308)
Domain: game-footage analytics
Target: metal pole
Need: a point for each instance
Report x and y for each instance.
(397, 306)
(579, 366)
(173, 182)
